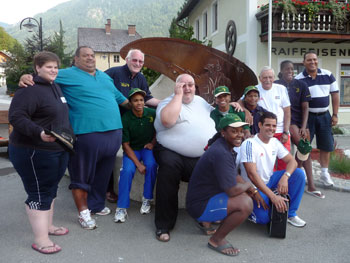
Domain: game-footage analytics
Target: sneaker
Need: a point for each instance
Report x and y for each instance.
(146, 206)
(105, 211)
(326, 179)
(120, 215)
(86, 221)
(296, 221)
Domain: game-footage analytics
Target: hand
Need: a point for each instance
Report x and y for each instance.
(178, 90)
(141, 168)
(282, 186)
(334, 120)
(46, 137)
(26, 80)
(279, 203)
(260, 201)
(248, 117)
(149, 146)
(284, 138)
(237, 107)
(302, 133)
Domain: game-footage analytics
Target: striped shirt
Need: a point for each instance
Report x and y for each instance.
(320, 88)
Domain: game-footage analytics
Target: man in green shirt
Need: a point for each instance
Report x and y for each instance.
(138, 142)
(222, 100)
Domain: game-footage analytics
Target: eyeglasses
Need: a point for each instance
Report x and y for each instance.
(137, 60)
(190, 85)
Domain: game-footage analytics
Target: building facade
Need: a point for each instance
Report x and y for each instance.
(292, 37)
(106, 43)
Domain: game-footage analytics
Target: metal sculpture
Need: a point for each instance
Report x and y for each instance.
(208, 66)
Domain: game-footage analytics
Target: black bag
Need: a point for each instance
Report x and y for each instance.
(278, 221)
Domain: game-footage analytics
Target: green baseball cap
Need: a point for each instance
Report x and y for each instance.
(136, 90)
(221, 90)
(231, 120)
(250, 88)
(304, 149)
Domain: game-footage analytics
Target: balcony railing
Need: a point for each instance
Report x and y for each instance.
(301, 27)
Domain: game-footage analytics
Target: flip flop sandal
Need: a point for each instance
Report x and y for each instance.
(221, 248)
(60, 231)
(160, 232)
(206, 230)
(316, 193)
(43, 250)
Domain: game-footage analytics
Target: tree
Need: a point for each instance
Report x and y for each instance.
(6, 41)
(56, 45)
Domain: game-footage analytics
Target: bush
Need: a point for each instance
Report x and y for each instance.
(339, 163)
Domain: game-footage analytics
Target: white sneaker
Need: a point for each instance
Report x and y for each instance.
(120, 215)
(296, 221)
(105, 211)
(326, 179)
(86, 221)
(146, 206)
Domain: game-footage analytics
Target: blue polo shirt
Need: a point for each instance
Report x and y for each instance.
(298, 93)
(92, 100)
(256, 113)
(214, 173)
(320, 88)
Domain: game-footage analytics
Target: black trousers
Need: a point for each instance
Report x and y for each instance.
(173, 168)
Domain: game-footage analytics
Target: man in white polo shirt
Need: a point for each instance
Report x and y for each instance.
(321, 84)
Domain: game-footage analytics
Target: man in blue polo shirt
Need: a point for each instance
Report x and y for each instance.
(321, 84)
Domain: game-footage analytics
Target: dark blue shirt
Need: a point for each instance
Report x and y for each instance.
(214, 173)
(124, 82)
(298, 93)
(256, 113)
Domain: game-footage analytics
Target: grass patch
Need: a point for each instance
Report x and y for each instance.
(337, 130)
(339, 163)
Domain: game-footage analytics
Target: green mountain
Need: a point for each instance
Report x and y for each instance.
(151, 17)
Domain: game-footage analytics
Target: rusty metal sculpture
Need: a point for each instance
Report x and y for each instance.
(209, 67)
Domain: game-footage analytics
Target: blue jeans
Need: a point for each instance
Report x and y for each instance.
(127, 175)
(296, 184)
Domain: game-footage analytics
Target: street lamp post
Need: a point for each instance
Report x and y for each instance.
(29, 25)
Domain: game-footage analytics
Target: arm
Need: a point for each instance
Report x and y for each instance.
(282, 186)
(305, 116)
(253, 175)
(171, 112)
(253, 193)
(152, 102)
(335, 106)
(151, 144)
(248, 115)
(125, 104)
(241, 187)
(131, 154)
(286, 124)
(237, 106)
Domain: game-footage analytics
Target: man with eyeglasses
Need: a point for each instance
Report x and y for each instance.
(183, 127)
(129, 76)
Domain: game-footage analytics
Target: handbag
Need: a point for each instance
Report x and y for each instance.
(277, 226)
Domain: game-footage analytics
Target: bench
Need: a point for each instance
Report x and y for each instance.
(5, 120)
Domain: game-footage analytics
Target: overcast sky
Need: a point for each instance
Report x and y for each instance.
(14, 11)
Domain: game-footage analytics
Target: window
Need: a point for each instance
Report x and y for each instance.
(345, 84)
(298, 67)
(116, 58)
(197, 29)
(215, 17)
(205, 25)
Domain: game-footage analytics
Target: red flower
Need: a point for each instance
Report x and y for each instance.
(343, 7)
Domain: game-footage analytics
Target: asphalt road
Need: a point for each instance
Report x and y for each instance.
(326, 237)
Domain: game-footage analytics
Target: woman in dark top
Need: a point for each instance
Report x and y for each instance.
(299, 96)
(37, 157)
(216, 192)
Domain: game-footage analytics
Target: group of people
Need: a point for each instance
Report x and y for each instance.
(227, 155)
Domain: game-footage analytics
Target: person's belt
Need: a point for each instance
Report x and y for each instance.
(318, 113)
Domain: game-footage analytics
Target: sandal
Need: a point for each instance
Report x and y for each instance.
(44, 250)
(206, 230)
(59, 231)
(316, 193)
(161, 232)
(220, 249)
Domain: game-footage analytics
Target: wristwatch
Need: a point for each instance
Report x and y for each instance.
(286, 173)
(286, 132)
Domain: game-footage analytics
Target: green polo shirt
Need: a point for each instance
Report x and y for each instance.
(216, 116)
(138, 131)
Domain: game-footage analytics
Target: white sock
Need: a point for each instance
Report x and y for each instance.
(324, 170)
